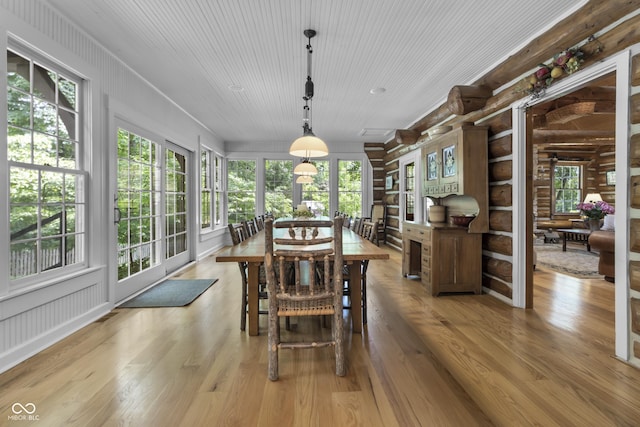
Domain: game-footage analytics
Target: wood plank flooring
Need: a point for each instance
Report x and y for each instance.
(458, 360)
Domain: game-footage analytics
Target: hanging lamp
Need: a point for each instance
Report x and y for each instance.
(305, 168)
(304, 179)
(308, 145)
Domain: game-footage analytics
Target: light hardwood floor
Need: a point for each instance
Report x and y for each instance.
(459, 360)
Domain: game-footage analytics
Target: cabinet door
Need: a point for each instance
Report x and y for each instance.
(459, 266)
(430, 171)
(450, 156)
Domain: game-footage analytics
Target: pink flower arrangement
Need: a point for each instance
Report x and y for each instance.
(596, 210)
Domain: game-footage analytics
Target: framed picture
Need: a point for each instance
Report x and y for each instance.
(611, 178)
(389, 183)
(449, 161)
(432, 166)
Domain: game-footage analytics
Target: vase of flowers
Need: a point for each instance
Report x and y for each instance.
(594, 212)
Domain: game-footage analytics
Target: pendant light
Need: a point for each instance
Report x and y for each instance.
(304, 179)
(305, 168)
(308, 145)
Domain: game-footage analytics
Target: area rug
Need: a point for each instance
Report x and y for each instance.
(577, 262)
(170, 293)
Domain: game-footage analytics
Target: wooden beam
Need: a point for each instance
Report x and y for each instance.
(465, 99)
(548, 136)
(591, 18)
(407, 136)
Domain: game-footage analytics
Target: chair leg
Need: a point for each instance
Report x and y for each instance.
(243, 318)
(364, 299)
(273, 340)
(338, 330)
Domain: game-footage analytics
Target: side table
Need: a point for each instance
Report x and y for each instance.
(580, 235)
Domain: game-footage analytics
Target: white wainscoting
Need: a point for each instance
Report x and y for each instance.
(34, 320)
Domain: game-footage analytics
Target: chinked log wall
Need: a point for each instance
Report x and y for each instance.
(634, 234)
(497, 246)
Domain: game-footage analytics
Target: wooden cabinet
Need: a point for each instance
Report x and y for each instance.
(456, 163)
(447, 258)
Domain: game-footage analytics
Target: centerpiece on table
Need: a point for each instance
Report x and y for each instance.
(302, 211)
(594, 212)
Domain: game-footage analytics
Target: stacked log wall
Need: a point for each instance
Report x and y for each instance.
(634, 212)
(593, 17)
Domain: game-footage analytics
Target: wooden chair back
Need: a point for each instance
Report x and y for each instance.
(238, 232)
(368, 230)
(312, 249)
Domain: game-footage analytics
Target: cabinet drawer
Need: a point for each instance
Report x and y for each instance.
(414, 233)
(426, 263)
(426, 248)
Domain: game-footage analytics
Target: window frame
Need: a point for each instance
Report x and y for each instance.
(554, 190)
(80, 138)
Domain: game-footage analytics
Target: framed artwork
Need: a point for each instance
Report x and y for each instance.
(449, 161)
(432, 166)
(389, 183)
(611, 178)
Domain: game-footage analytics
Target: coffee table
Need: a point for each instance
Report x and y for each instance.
(580, 235)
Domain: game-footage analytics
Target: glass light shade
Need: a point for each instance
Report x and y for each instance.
(592, 198)
(308, 145)
(305, 168)
(304, 179)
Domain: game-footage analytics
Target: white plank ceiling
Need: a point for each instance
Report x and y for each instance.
(195, 50)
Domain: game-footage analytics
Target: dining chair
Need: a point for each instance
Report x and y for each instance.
(369, 232)
(259, 220)
(239, 234)
(250, 226)
(379, 216)
(315, 288)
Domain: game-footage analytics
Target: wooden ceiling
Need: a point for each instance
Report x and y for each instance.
(577, 126)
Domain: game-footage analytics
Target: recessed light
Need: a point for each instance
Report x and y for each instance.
(235, 88)
(377, 90)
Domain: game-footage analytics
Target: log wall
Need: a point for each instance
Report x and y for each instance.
(634, 201)
(497, 244)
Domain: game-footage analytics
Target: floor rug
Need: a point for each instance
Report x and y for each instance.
(577, 262)
(170, 293)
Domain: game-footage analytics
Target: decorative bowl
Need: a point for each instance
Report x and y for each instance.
(462, 220)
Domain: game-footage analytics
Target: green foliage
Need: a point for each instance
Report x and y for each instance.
(241, 190)
(350, 187)
(278, 196)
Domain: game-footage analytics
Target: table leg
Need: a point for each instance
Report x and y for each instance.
(252, 294)
(355, 278)
(564, 241)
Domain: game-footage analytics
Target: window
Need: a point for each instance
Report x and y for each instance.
(176, 178)
(278, 185)
(316, 194)
(205, 189)
(241, 190)
(219, 190)
(139, 196)
(350, 187)
(567, 186)
(211, 190)
(409, 191)
(47, 210)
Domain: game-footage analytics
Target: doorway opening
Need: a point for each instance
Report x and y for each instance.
(572, 159)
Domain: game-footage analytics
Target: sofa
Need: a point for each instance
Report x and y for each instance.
(604, 242)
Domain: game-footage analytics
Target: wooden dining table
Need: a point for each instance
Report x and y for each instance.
(355, 250)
